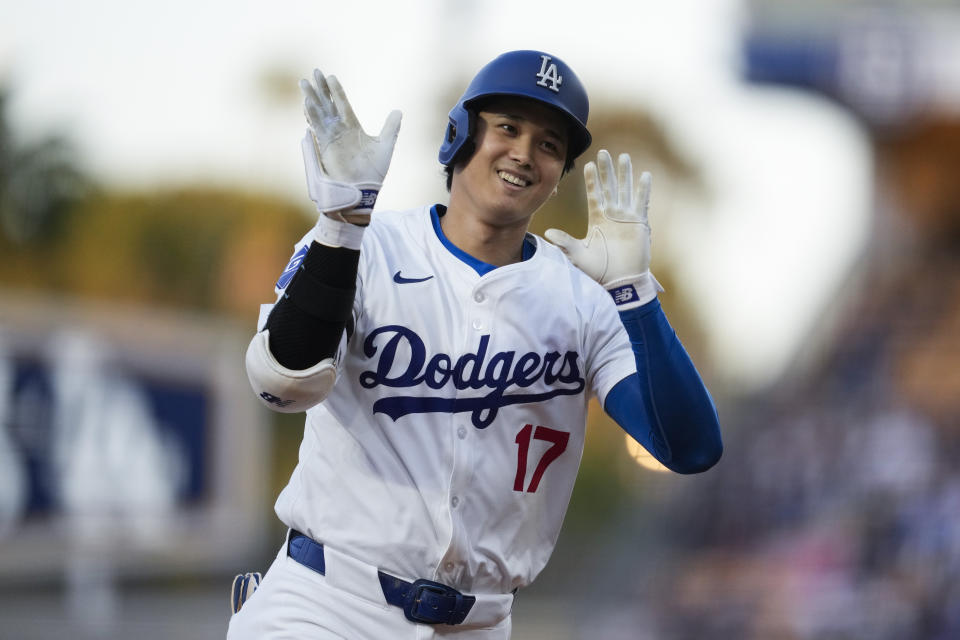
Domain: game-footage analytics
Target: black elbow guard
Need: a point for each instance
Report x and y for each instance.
(308, 321)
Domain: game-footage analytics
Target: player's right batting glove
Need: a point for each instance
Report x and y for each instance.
(616, 250)
(345, 166)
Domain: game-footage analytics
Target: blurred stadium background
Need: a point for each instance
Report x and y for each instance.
(807, 228)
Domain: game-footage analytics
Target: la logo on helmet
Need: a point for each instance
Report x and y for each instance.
(548, 73)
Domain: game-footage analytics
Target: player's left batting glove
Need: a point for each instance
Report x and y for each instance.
(616, 251)
(345, 166)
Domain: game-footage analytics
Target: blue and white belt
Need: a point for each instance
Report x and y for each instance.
(422, 601)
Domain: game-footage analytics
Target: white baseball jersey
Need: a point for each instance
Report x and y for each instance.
(449, 446)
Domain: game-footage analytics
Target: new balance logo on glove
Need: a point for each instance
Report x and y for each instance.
(624, 294)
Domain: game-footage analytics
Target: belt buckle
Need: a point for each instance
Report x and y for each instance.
(427, 610)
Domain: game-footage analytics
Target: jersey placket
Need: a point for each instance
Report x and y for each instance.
(478, 316)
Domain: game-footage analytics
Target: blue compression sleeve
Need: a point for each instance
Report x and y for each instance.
(665, 406)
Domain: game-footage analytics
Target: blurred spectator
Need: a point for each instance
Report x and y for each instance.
(836, 513)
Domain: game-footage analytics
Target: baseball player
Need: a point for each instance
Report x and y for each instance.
(445, 358)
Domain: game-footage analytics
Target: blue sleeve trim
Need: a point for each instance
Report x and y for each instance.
(665, 406)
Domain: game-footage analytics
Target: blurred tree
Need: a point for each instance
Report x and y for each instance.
(278, 84)
(39, 181)
(197, 248)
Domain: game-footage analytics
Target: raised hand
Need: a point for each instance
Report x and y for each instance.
(345, 167)
(616, 249)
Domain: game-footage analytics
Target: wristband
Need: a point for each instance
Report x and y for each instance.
(337, 233)
(633, 291)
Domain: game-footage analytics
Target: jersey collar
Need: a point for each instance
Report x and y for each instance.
(481, 267)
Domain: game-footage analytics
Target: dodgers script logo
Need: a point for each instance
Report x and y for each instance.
(548, 73)
(498, 373)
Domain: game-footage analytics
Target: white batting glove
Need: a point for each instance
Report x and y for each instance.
(345, 166)
(616, 251)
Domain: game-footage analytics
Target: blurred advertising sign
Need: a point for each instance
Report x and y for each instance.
(126, 434)
(889, 63)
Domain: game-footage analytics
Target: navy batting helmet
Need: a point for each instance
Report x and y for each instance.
(526, 74)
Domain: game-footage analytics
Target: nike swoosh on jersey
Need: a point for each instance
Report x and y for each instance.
(399, 279)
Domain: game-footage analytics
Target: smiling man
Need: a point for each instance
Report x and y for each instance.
(520, 150)
(445, 358)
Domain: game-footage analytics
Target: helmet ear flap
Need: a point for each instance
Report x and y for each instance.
(458, 141)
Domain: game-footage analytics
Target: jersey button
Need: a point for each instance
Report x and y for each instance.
(462, 432)
(479, 297)
(478, 324)
(454, 501)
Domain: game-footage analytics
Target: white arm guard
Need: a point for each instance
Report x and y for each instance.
(282, 389)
